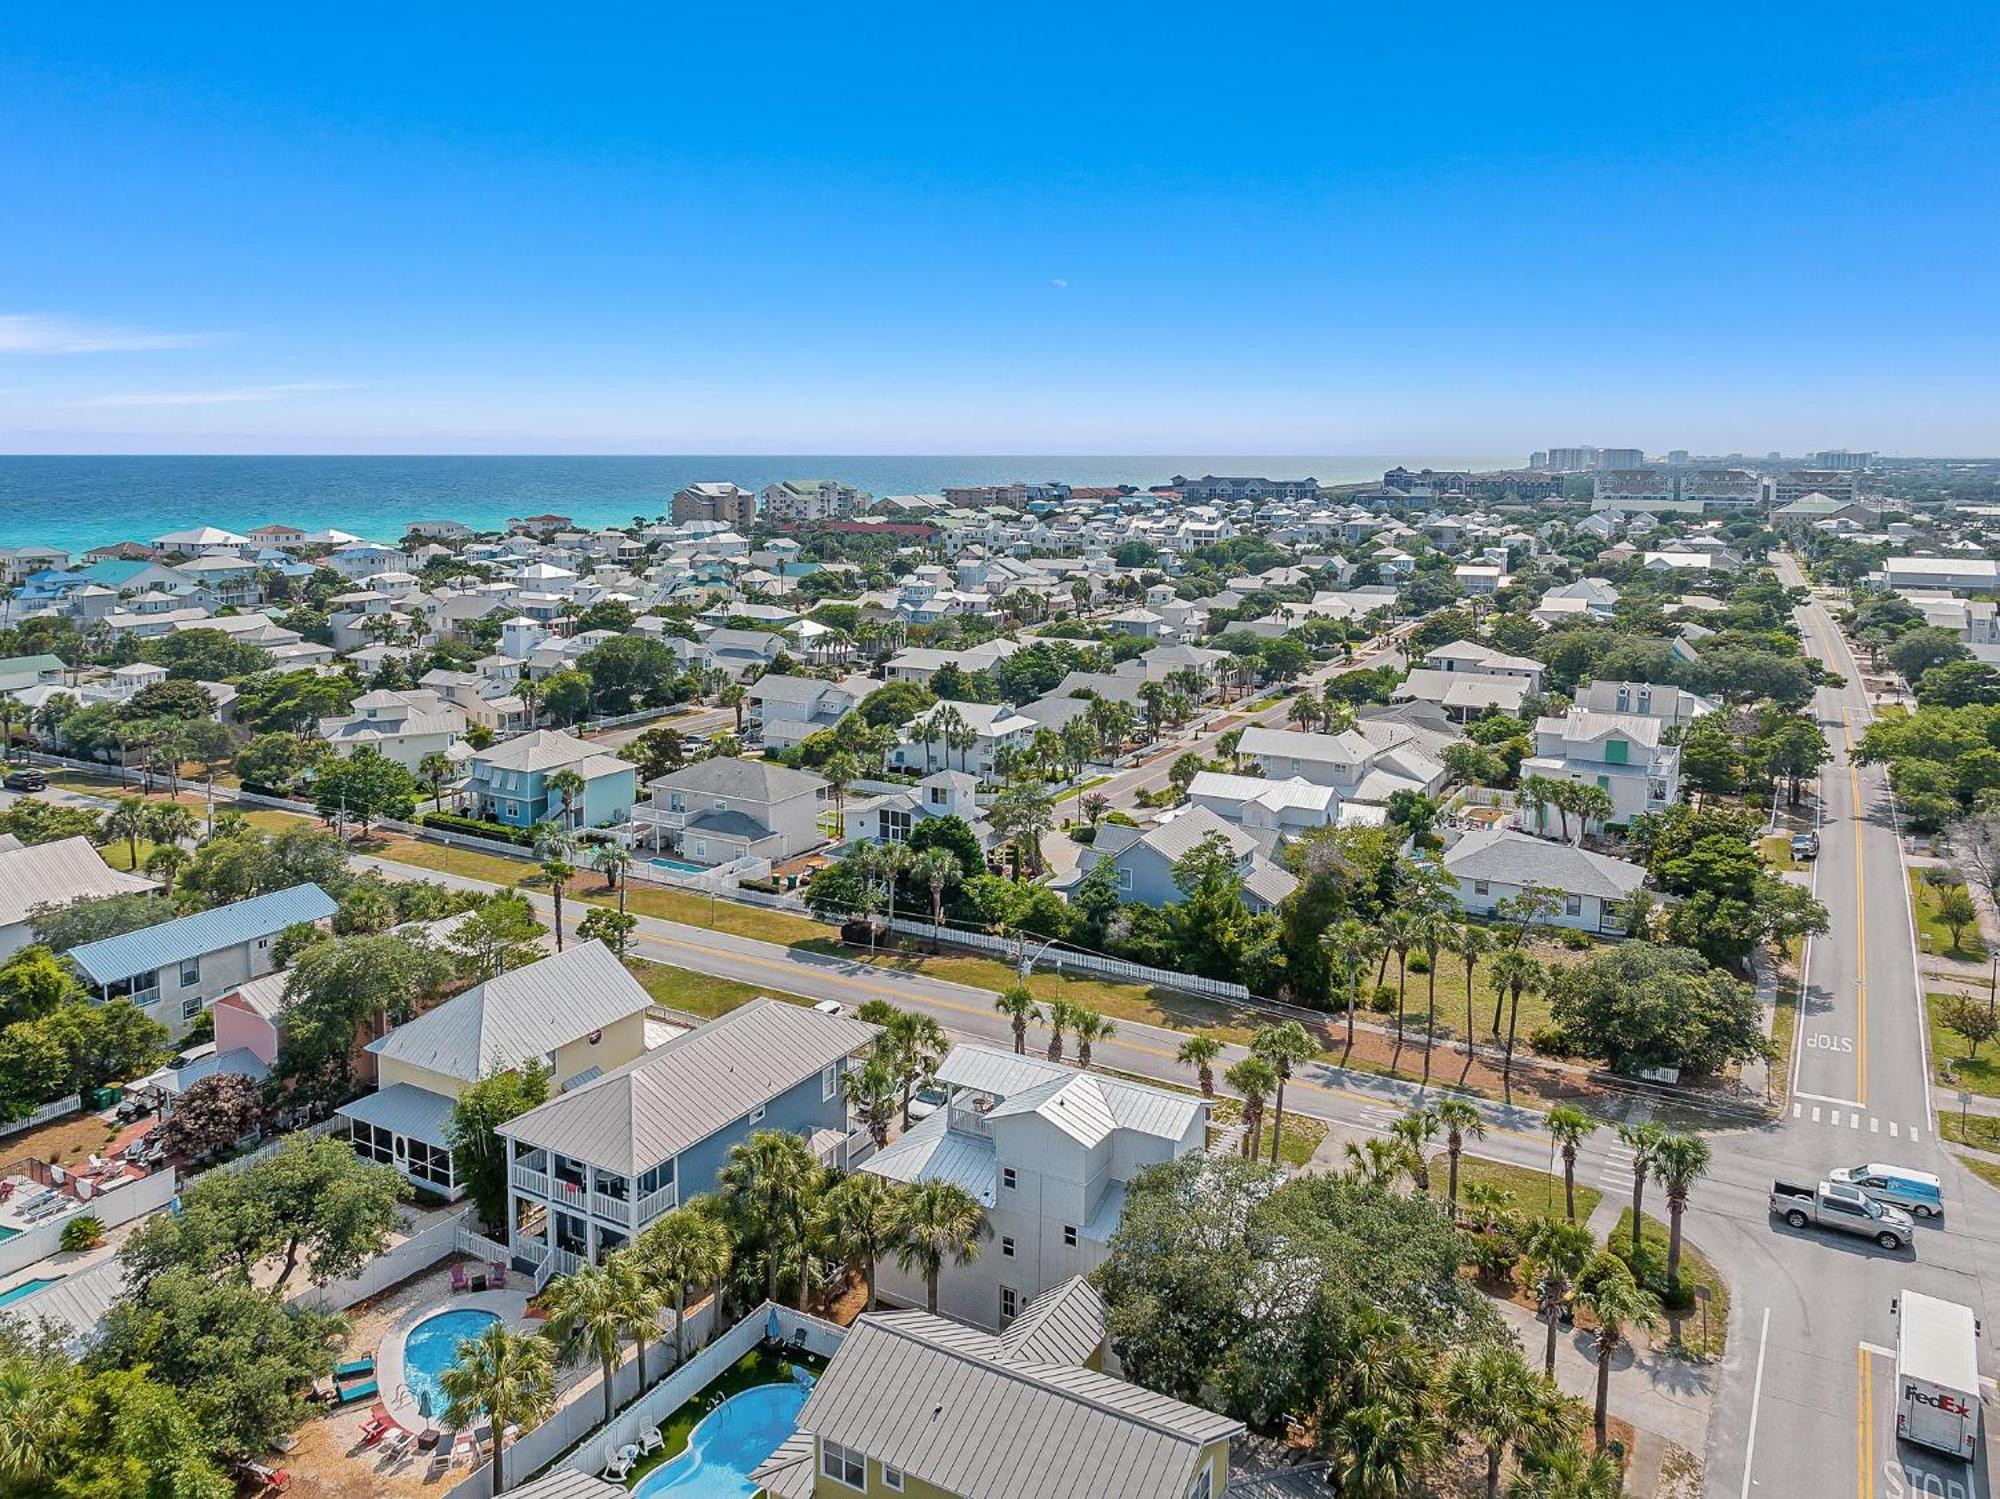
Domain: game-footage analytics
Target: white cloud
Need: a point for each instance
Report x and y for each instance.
(1059, 284)
(32, 333)
(241, 395)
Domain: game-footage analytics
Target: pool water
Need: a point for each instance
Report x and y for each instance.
(26, 1288)
(432, 1348)
(678, 866)
(729, 1443)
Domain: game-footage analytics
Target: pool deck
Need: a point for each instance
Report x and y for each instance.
(510, 1305)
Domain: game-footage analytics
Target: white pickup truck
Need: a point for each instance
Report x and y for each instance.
(1843, 1209)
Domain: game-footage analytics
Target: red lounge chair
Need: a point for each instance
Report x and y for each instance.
(458, 1282)
(498, 1280)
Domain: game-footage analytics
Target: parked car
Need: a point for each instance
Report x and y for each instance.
(1805, 845)
(1844, 1209)
(926, 1102)
(27, 780)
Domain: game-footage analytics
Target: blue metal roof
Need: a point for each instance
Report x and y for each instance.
(205, 932)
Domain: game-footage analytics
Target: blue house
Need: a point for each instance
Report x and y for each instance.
(510, 782)
(588, 1170)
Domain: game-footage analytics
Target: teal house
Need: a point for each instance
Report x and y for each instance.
(510, 782)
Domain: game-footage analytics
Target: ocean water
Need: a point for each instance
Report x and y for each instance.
(81, 502)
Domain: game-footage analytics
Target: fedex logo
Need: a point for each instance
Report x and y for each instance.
(1951, 1405)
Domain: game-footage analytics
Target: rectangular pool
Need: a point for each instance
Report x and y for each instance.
(25, 1289)
(678, 866)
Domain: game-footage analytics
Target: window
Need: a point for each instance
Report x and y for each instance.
(190, 972)
(843, 1465)
(1009, 1305)
(1479, 887)
(757, 1114)
(1572, 905)
(936, 796)
(1615, 751)
(1007, 1246)
(1069, 1235)
(895, 826)
(191, 1007)
(1008, 1179)
(262, 943)
(892, 1478)
(829, 1081)
(1201, 1485)
(1124, 878)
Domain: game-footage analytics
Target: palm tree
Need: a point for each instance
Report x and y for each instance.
(1679, 1161)
(509, 1377)
(1432, 930)
(613, 861)
(685, 1248)
(1381, 1449)
(1642, 1139)
(1375, 1161)
(1304, 710)
(558, 872)
(1515, 974)
(1471, 942)
(733, 696)
(1057, 1017)
(170, 822)
(840, 770)
(590, 1312)
(1536, 796)
(871, 1093)
(1616, 1302)
(1460, 1118)
(1019, 1006)
(1284, 1046)
(164, 862)
(568, 785)
(1490, 1396)
(1591, 803)
(434, 769)
(1399, 935)
(37, 1419)
(1089, 1028)
(913, 1046)
(1254, 1078)
(1557, 1252)
(771, 1182)
(1570, 1127)
(860, 1221)
(1200, 1052)
(642, 1298)
(938, 869)
(1568, 1472)
(1349, 944)
(941, 1222)
(127, 820)
(1414, 1132)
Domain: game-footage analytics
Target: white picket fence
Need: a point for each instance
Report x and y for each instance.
(271, 1146)
(1071, 961)
(48, 1111)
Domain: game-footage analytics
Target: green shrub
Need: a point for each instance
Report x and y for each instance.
(1420, 962)
(1551, 1041)
(82, 1233)
(499, 832)
(1383, 1000)
(1574, 940)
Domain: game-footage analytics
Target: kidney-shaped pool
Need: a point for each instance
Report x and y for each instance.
(729, 1443)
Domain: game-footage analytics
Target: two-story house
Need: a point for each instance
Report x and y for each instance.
(1047, 1150)
(591, 1168)
(403, 726)
(176, 968)
(1621, 753)
(990, 727)
(1368, 763)
(1675, 707)
(578, 1014)
(915, 1407)
(716, 811)
(1143, 860)
(786, 708)
(892, 818)
(54, 874)
(509, 782)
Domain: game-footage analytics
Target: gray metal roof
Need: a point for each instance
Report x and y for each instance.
(527, 1013)
(749, 780)
(728, 823)
(946, 1405)
(568, 1483)
(205, 932)
(404, 1109)
(1063, 1325)
(1083, 1104)
(932, 1151)
(76, 1303)
(679, 1094)
(56, 873)
(1517, 858)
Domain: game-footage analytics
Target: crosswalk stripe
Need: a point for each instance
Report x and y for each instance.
(1833, 1117)
(1798, 1109)
(1915, 1134)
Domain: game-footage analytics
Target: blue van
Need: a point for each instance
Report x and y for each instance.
(1916, 1192)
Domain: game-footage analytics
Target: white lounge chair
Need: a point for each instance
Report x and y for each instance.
(616, 1464)
(398, 1442)
(650, 1440)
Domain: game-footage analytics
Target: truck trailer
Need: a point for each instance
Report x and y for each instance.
(1937, 1375)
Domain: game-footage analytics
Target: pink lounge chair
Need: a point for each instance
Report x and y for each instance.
(458, 1281)
(498, 1280)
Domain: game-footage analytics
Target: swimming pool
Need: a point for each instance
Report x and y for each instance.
(730, 1441)
(678, 866)
(26, 1288)
(432, 1347)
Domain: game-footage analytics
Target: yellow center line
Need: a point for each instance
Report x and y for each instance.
(1864, 1385)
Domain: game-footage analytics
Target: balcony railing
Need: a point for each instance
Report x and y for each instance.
(529, 1180)
(653, 1204)
(969, 1122)
(612, 1209)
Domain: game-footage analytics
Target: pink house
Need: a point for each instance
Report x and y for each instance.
(246, 1018)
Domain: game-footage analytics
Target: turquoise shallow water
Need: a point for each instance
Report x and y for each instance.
(81, 502)
(432, 1348)
(729, 1443)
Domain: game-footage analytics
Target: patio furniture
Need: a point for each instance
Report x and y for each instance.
(354, 1368)
(440, 1461)
(399, 1442)
(650, 1440)
(616, 1463)
(350, 1393)
(498, 1279)
(458, 1277)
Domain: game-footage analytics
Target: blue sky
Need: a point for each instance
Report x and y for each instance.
(1014, 228)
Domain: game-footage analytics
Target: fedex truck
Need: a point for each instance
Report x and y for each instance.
(1937, 1375)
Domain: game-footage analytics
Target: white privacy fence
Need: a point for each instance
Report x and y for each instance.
(399, 1262)
(1068, 960)
(34, 1244)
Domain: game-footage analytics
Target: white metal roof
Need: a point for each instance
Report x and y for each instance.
(1937, 1341)
(56, 873)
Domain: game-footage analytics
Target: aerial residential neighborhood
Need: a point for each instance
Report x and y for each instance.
(835, 947)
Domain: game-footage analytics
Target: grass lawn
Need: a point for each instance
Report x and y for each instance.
(700, 994)
(1980, 1074)
(755, 1368)
(118, 855)
(1987, 1171)
(1696, 1271)
(1535, 1010)
(1979, 1130)
(1777, 850)
(1533, 1193)
(1080, 787)
(1934, 935)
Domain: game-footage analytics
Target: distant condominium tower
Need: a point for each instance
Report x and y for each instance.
(1842, 461)
(1621, 458)
(1573, 460)
(1721, 489)
(792, 501)
(1627, 491)
(725, 504)
(1783, 489)
(1678, 457)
